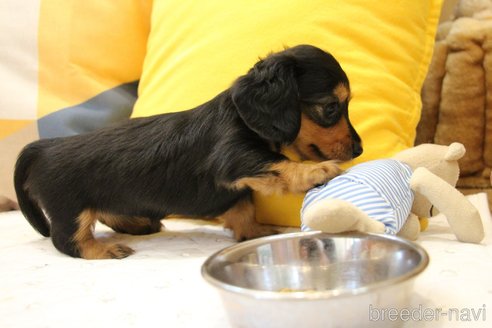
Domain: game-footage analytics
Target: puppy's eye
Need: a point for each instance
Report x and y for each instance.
(331, 111)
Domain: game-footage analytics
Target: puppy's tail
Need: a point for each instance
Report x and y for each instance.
(31, 210)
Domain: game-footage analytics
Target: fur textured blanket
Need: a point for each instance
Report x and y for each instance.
(457, 93)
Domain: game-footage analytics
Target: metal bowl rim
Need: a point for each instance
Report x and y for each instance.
(314, 295)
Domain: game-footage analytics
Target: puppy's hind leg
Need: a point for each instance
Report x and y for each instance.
(90, 248)
(242, 221)
(130, 225)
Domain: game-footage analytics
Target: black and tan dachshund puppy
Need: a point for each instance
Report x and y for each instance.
(204, 162)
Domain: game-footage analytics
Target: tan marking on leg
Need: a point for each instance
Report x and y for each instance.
(241, 220)
(288, 176)
(267, 185)
(89, 247)
(130, 224)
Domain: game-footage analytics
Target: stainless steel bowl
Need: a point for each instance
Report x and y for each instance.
(315, 279)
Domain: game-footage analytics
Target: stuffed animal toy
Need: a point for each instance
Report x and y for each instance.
(389, 195)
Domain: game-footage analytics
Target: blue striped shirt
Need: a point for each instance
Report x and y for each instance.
(380, 188)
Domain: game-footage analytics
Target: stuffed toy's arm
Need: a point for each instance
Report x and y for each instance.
(336, 215)
(462, 216)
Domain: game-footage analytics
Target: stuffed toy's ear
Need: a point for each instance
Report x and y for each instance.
(455, 152)
(267, 99)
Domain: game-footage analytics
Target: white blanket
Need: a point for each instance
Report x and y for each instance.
(161, 285)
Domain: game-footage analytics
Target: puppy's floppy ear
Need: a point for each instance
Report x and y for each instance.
(267, 98)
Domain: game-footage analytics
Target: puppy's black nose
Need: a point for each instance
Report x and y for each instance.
(357, 149)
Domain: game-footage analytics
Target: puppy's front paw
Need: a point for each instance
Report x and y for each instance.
(294, 177)
(325, 171)
(319, 174)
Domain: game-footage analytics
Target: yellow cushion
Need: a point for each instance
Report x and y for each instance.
(197, 48)
(88, 47)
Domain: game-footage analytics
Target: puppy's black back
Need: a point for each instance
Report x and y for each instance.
(121, 169)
